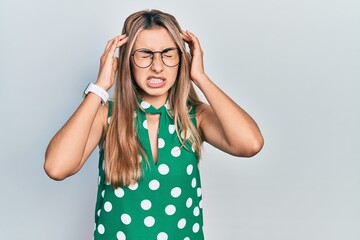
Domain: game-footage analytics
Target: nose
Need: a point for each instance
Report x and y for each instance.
(157, 64)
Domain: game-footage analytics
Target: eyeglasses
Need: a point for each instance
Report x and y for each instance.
(143, 57)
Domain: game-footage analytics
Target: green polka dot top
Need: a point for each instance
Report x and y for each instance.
(166, 203)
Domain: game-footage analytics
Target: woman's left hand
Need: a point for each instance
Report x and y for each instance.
(197, 71)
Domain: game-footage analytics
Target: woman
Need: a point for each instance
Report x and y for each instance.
(150, 136)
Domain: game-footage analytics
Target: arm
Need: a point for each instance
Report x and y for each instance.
(76, 140)
(223, 124)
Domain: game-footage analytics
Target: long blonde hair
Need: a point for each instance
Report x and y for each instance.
(122, 147)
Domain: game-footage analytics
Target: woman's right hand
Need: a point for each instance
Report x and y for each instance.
(109, 63)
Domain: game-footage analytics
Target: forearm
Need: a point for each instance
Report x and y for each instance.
(240, 130)
(65, 151)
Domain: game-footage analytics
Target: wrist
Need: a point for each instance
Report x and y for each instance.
(97, 90)
(102, 85)
(199, 79)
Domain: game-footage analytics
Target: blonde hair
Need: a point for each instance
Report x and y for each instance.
(122, 147)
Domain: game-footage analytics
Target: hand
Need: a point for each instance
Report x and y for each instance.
(197, 71)
(109, 63)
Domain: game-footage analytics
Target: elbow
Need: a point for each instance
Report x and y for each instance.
(54, 173)
(254, 149)
(53, 170)
(251, 148)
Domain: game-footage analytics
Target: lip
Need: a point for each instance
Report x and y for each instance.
(153, 81)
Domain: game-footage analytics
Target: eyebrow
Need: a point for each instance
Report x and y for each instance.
(149, 50)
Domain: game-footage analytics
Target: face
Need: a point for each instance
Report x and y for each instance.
(156, 79)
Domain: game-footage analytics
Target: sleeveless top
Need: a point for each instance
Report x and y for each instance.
(166, 204)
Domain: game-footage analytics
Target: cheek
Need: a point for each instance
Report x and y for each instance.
(137, 73)
(175, 73)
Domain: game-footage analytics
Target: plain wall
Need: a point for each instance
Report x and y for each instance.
(293, 65)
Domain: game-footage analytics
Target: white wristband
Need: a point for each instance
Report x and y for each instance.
(104, 95)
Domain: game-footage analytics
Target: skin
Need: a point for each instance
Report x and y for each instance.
(155, 39)
(222, 123)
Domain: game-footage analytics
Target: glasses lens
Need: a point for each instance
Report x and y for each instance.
(143, 58)
(171, 57)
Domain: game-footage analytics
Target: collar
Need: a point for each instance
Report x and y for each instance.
(148, 108)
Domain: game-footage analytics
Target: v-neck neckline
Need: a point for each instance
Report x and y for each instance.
(148, 108)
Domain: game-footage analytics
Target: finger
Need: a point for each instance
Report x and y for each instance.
(111, 48)
(109, 44)
(192, 36)
(195, 40)
(119, 41)
(114, 39)
(185, 36)
(122, 41)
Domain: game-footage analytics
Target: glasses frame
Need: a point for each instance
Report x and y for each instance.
(161, 55)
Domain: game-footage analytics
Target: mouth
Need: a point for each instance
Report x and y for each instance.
(155, 81)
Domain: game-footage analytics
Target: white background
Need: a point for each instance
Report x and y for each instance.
(293, 65)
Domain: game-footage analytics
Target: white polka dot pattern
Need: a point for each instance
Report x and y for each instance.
(175, 192)
(161, 143)
(170, 210)
(193, 182)
(145, 105)
(193, 147)
(182, 223)
(189, 202)
(162, 236)
(133, 186)
(163, 169)
(171, 128)
(119, 192)
(169, 190)
(107, 206)
(145, 124)
(145, 204)
(126, 219)
(196, 227)
(149, 221)
(189, 169)
(101, 229)
(120, 235)
(188, 134)
(154, 184)
(199, 192)
(196, 211)
(176, 151)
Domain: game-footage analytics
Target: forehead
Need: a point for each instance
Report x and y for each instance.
(155, 39)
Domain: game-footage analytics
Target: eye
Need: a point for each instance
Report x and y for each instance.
(144, 53)
(169, 52)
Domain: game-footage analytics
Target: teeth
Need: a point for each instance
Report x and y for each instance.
(155, 80)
